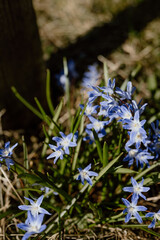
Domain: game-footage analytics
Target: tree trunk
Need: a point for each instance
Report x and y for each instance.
(21, 63)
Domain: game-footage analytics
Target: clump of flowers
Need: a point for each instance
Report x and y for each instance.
(110, 122)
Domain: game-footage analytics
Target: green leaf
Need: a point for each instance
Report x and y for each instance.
(140, 175)
(124, 171)
(150, 231)
(6, 213)
(31, 178)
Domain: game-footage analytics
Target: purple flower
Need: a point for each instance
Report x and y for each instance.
(85, 174)
(137, 189)
(32, 225)
(132, 210)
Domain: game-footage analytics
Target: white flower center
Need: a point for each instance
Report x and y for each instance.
(58, 153)
(132, 153)
(65, 142)
(84, 173)
(138, 137)
(131, 209)
(137, 189)
(127, 115)
(157, 216)
(98, 125)
(33, 228)
(34, 210)
(136, 125)
(5, 153)
(88, 110)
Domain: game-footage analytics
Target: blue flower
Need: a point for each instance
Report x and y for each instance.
(137, 189)
(90, 109)
(132, 210)
(137, 107)
(130, 156)
(98, 126)
(65, 141)
(7, 151)
(63, 79)
(32, 225)
(90, 77)
(137, 138)
(142, 157)
(154, 147)
(135, 124)
(34, 208)
(90, 136)
(58, 153)
(155, 127)
(94, 94)
(111, 106)
(47, 189)
(124, 113)
(110, 87)
(126, 94)
(85, 174)
(156, 216)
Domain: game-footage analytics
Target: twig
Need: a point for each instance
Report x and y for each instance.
(11, 185)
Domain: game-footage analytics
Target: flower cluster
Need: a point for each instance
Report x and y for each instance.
(6, 154)
(35, 215)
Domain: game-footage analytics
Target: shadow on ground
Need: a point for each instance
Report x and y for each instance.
(108, 37)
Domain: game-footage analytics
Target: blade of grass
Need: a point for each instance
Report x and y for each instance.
(51, 128)
(26, 165)
(48, 92)
(106, 75)
(78, 145)
(105, 154)
(26, 103)
(98, 145)
(42, 111)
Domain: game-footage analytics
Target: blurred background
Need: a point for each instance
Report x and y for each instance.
(37, 34)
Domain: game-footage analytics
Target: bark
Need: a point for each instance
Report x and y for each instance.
(21, 63)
